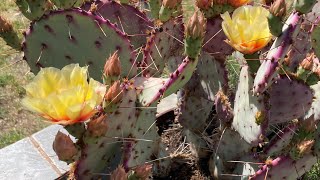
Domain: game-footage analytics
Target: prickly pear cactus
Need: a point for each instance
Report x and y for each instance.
(63, 35)
(250, 112)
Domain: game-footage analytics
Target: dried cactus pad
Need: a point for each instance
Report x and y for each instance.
(76, 36)
(289, 99)
(250, 114)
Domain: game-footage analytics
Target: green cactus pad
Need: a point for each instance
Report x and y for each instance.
(209, 77)
(149, 145)
(317, 141)
(76, 36)
(64, 4)
(250, 114)
(315, 40)
(32, 9)
(128, 19)
(155, 6)
(165, 43)
(194, 113)
(105, 153)
(232, 146)
(198, 145)
(289, 99)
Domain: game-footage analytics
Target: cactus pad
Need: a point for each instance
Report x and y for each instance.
(104, 154)
(283, 104)
(76, 36)
(214, 40)
(194, 113)
(315, 40)
(250, 114)
(268, 69)
(281, 140)
(279, 168)
(32, 9)
(128, 19)
(232, 146)
(165, 43)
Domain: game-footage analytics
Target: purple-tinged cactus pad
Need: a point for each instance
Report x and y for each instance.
(167, 41)
(128, 19)
(223, 108)
(176, 80)
(214, 40)
(281, 140)
(76, 36)
(250, 113)
(299, 49)
(269, 67)
(288, 99)
(285, 168)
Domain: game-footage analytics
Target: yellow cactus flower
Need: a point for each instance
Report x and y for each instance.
(238, 3)
(247, 30)
(64, 96)
(234, 3)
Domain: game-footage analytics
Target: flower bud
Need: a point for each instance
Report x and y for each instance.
(119, 174)
(112, 66)
(64, 147)
(234, 3)
(171, 3)
(114, 93)
(98, 127)
(5, 26)
(196, 26)
(278, 8)
(143, 171)
(307, 63)
(204, 4)
(305, 147)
